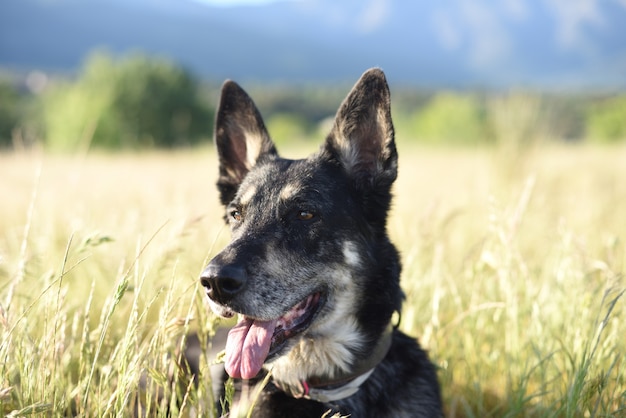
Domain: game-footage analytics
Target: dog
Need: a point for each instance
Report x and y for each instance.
(311, 272)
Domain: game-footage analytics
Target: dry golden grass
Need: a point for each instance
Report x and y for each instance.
(513, 269)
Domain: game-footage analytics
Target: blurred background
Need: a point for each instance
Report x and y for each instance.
(134, 74)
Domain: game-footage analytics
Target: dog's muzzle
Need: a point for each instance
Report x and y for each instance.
(223, 281)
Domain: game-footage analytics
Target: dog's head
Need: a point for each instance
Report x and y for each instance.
(310, 270)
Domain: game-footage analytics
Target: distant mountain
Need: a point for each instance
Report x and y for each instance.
(459, 43)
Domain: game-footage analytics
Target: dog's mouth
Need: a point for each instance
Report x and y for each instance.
(252, 341)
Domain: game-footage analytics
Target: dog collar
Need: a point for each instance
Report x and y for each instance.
(342, 386)
(328, 393)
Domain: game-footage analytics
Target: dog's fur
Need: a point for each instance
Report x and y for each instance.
(317, 227)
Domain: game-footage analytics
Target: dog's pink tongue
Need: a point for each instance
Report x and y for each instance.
(247, 347)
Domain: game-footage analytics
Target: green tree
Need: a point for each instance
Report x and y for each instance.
(450, 118)
(287, 128)
(135, 102)
(10, 104)
(606, 120)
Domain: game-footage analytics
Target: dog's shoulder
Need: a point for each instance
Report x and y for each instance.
(404, 384)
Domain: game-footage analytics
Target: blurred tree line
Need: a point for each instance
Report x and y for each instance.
(142, 102)
(134, 102)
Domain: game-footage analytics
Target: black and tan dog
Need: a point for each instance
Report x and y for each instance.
(310, 270)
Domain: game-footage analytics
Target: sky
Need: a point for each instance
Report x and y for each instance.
(228, 3)
(480, 42)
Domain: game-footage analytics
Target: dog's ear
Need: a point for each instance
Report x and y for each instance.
(241, 138)
(362, 137)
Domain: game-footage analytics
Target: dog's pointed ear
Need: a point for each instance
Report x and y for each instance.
(241, 139)
(362, 137)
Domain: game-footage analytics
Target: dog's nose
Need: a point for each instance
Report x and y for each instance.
(223, 282)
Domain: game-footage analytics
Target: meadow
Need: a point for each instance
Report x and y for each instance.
(513, 268)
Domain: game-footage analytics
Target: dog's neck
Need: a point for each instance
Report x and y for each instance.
(345, 384)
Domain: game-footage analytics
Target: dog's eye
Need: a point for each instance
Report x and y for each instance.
(235, 215)
(305, 215)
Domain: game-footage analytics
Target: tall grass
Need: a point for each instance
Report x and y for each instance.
(514, 280)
